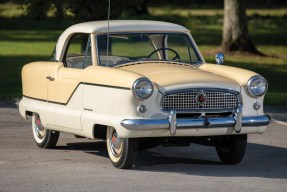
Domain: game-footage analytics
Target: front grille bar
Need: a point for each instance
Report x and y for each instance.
(219, 100)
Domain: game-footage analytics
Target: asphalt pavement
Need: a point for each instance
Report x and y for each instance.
(83, 164)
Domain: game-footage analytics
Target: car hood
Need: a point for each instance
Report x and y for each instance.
(172, 76)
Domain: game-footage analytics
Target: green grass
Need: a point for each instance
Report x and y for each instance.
(18, 47)
(185, 12)
(23, 41)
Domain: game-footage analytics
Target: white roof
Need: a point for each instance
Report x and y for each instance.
(116, 26)
(124, 26)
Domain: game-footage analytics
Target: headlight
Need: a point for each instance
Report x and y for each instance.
(257, 86)
(142, 88)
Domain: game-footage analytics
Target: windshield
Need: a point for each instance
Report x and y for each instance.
(124, 48)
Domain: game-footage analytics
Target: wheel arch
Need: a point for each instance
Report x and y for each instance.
(100, 131)
(28, 114)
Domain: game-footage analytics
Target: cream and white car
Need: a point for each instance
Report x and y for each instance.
(139, 84)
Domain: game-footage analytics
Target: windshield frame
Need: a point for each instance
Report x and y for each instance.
(187, 36)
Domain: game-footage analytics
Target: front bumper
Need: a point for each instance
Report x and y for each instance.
(173, 123)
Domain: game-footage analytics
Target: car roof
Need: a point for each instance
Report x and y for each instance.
(125, 26)
(115, 26)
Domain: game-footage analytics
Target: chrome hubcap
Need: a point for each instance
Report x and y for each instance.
(115, 143)
(39, 129)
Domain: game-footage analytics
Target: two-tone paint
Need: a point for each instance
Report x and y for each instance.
(75, 100)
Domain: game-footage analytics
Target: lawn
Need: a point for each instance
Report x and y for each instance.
(23, 41)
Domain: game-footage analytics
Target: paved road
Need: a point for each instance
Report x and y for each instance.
(83, 165)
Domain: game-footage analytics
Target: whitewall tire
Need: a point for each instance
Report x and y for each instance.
(44, 138)
(122, 151)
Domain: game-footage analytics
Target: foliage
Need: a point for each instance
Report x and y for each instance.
(218, 3)
(83, 10)
(23, 41)
(87, 10)
(35, 9)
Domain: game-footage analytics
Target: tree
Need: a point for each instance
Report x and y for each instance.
(235, 31)
(38, 9)
(60, 12)
(35, 9)
(137, 7)
(88, 10)
(84, 10)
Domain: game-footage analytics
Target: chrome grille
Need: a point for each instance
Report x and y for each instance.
(216, 100)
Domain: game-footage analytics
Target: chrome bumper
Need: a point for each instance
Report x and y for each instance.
(173, 123)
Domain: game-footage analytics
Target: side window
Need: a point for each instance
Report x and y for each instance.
(78, 54)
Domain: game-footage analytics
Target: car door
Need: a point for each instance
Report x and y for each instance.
(65, 88)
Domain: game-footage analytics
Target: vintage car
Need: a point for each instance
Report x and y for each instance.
(139, 84)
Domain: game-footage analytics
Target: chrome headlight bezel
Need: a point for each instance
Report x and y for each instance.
(251, 82)
(137, 88)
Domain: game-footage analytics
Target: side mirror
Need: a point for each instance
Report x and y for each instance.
(219, 58)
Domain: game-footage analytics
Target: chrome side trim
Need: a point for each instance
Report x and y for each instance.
(194, 123)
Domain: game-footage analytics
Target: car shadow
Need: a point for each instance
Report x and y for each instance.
(260, 160)
(94, 148)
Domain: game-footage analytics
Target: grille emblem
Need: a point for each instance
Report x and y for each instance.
(200, 98)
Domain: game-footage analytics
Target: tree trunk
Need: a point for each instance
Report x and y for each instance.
(141, 7)
(235, 31)
(60, 9)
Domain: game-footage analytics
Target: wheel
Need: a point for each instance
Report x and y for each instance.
(43, 137)
(122, 151)
(165, 48)
(231, 149)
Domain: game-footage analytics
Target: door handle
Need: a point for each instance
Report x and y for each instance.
(50, 78)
